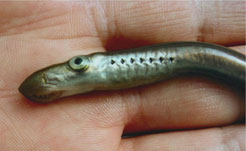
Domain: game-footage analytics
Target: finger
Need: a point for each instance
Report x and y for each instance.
(155, 22)
(226, 138)
(118, 25)
(241, 49)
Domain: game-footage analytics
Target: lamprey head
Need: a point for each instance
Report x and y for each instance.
(57, 81)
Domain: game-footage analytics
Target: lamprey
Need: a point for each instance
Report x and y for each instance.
(132, 68)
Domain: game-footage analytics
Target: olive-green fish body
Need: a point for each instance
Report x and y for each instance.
(132, 68)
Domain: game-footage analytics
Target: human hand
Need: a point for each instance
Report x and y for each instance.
(34, 35)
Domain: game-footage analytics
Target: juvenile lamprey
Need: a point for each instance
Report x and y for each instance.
(134, 67)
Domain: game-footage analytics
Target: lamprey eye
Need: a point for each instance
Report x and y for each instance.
(79, 63)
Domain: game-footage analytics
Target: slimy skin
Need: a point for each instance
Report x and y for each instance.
(134, 67)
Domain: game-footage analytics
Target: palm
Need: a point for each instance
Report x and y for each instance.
(35, 35)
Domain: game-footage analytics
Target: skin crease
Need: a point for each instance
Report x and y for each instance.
(44, 33)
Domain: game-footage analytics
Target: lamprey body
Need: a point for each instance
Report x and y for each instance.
(134, 67)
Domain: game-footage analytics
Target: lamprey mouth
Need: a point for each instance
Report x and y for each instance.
(42, 98)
